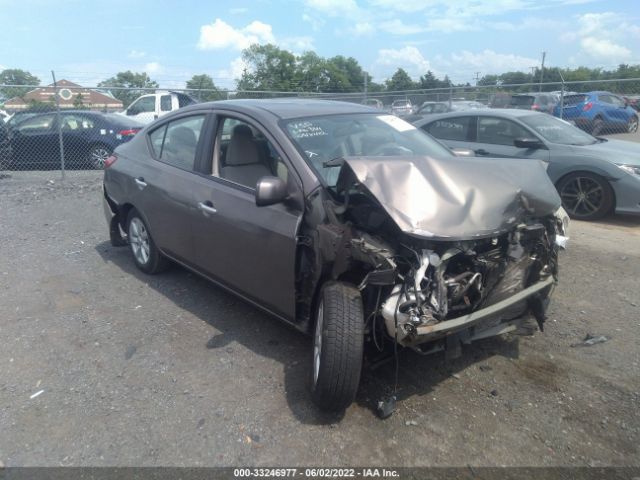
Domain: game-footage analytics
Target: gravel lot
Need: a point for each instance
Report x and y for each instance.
(171, 370)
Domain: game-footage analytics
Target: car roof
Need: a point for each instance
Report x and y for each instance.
(495, 112)
(286, 108)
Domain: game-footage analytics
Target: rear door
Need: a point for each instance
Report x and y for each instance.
(572, 106)
(247, 248)
(495, 138)
(165, 183)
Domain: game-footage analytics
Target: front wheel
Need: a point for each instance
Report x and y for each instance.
(338, 345)
(632, 126)
(146, 255)
(586, 196)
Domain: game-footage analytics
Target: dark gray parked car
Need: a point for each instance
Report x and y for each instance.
(345, 222)
(594, 176)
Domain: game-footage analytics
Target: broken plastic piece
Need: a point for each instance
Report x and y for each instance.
(386, 407)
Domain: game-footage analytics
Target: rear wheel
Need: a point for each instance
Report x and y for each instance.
(337, 347)
(146, 255)
(597, 127)
(586, 196)
(632, 126)
(97, 156)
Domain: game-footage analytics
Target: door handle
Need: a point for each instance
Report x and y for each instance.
(482, 151)
(141, 183)
(207, 208)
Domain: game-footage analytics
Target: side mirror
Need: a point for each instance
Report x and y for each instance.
(270, 190)
(528, 143)
(463, 152)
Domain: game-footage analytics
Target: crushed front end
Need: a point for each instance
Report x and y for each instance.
(443, 253)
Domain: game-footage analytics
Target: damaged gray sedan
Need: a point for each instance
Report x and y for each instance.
(349, 224)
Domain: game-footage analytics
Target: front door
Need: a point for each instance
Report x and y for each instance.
(495, 137)
(247, 248)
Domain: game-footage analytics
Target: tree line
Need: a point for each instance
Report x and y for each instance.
(270, 68)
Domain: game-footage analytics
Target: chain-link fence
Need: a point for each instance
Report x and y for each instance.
(65, 126)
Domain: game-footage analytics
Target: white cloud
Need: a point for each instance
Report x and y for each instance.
(233, 72)
(136, 54)
(297, 44)
(398, 27)
(153, 67)
(488, 62)
(220, 34)
(409, 58)
(362, 28)
(315, 22)
(333, 7)
(604, 36)
(605, 49)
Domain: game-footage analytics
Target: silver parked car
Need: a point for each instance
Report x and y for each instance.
(594, 176)
(348, 223)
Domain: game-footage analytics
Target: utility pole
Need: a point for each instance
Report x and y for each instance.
(544, 54)
(365, 85)
(477, 78)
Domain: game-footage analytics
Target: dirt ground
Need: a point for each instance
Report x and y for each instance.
(102, 365)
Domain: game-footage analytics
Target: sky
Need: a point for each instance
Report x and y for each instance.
(87, 41)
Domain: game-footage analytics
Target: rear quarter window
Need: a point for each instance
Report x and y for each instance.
(450, 128)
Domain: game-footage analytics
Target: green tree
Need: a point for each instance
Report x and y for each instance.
(346, 74)
(78, 102)
(134, 84)
(206, 90)
(400, 81)
(269, 68)
(15, 76)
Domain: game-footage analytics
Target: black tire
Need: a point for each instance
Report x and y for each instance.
(97, 156)
(146, 255)
(632, 126)
(597, 127)
(337, 362)
(586, 196)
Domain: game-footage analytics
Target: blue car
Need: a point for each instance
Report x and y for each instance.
(88, 139)
(598, 112)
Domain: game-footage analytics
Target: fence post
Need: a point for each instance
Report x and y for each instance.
(59, 122)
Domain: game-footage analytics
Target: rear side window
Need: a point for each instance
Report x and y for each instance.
(521, 101)
(165, 103)
(457, 128)
(574, 99)
(176, 142)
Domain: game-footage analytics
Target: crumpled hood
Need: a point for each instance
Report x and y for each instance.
(454, 198)
(616, 151)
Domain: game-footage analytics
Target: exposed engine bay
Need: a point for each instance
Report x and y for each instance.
(431, 292)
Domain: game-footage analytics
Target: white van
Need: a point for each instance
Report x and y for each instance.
(147, 108)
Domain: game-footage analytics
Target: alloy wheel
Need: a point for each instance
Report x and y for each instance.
(98, 156)
(633, 125)
(582, 196)
(139, 240)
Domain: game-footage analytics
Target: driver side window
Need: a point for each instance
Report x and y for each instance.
(243, 154)
(498, 131)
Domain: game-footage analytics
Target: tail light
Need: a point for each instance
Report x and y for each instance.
(587, 106)
(535, 106)
(129, 132)
(111, 159)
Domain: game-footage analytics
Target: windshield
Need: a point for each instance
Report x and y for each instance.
(334, 136)
(558, 131)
